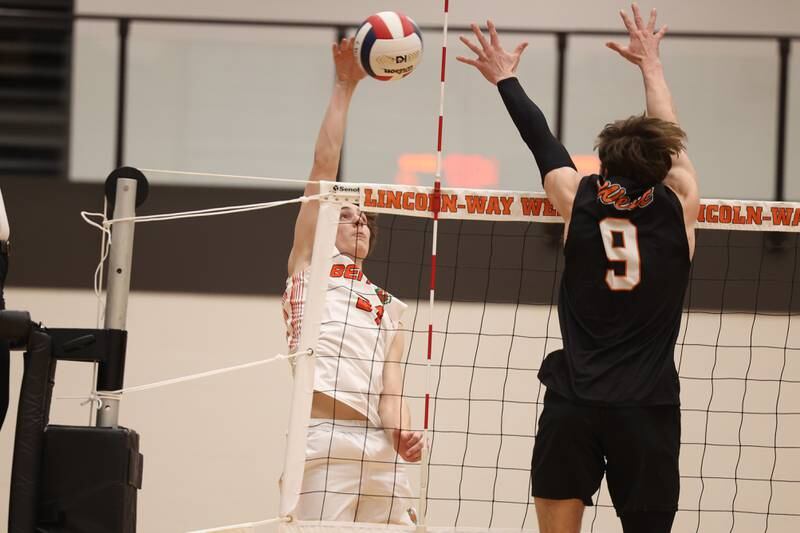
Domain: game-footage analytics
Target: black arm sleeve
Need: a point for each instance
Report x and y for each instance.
(549, 153)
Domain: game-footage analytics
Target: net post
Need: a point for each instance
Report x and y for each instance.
(303, 388)
(119, 279)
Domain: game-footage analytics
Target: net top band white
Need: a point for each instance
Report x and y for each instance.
(516, 206)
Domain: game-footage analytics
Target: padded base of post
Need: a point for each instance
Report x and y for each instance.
(90, 478)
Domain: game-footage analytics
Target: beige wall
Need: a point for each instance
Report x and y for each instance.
(719, 15)
(213, 448)
(248, 100)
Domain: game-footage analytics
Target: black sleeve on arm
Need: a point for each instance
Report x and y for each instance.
(549, 153)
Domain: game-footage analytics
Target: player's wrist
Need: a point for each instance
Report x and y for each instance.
(346, 85)
(504, 76)
(652, 67)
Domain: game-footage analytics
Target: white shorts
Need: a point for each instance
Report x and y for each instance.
(353, 474)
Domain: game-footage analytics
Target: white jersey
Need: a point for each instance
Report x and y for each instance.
(359, 322)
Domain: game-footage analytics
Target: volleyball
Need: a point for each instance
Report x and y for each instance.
(388, 46)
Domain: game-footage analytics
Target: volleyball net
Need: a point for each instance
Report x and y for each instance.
(472, 357)
(479, 273)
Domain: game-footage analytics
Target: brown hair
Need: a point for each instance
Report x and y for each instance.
(640, 148)
(372, 224)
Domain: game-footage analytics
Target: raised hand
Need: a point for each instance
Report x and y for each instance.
(493, 61)
(408, 444)
(644, 40)
(347, 68)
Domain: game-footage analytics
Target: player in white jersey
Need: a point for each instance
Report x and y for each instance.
(359, 435)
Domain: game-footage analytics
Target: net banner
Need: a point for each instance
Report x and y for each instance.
(481, 204)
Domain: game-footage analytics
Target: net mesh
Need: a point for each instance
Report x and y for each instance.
(496, 318)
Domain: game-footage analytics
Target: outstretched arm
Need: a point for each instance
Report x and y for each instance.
(643, 51)
(559, 176)
(327, 150)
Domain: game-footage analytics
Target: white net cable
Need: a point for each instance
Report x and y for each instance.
(265, 179)
(105, 224)
(183, 379)
(245, 527)
(105, 246)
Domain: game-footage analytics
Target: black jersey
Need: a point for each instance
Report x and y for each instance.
(621, 297)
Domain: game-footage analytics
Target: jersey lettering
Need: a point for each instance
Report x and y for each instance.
(363, 304)
(352, 272)
(620, 239)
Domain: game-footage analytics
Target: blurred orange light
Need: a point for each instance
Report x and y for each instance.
(587, 164)
(470, 171)
(458, 170)
(409, 165)
(467, 170)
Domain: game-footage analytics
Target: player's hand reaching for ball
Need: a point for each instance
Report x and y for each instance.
(642, 49)
(408, 444)
(348, 71)
(492, 60)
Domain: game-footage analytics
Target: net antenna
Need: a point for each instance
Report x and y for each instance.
(423, 481)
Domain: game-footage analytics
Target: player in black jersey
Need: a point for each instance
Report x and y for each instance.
(612, 400)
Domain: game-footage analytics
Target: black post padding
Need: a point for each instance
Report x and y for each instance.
(15, 327)
(142, 185)
(32, 417)
(104, 346)
(90, 478)
(111, 373)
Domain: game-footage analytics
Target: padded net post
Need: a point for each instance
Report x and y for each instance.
(32, 417)
(303, 388)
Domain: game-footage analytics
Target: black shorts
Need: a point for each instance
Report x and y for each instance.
(636, 447)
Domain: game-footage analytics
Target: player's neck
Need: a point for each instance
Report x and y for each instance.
(359, 262)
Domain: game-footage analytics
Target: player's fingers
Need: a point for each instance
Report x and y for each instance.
(479, 35)
(637, 16)
(472, 46)
(518, 53)
(661, 33)
(493, 37)
(651, 23)
(623, 51)
(467, 60)
(627, 21)
(414, 451)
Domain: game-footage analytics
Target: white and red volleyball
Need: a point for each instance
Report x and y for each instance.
(388, 46)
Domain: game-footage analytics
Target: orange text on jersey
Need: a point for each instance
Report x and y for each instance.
(615, 194)
(339, 270)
